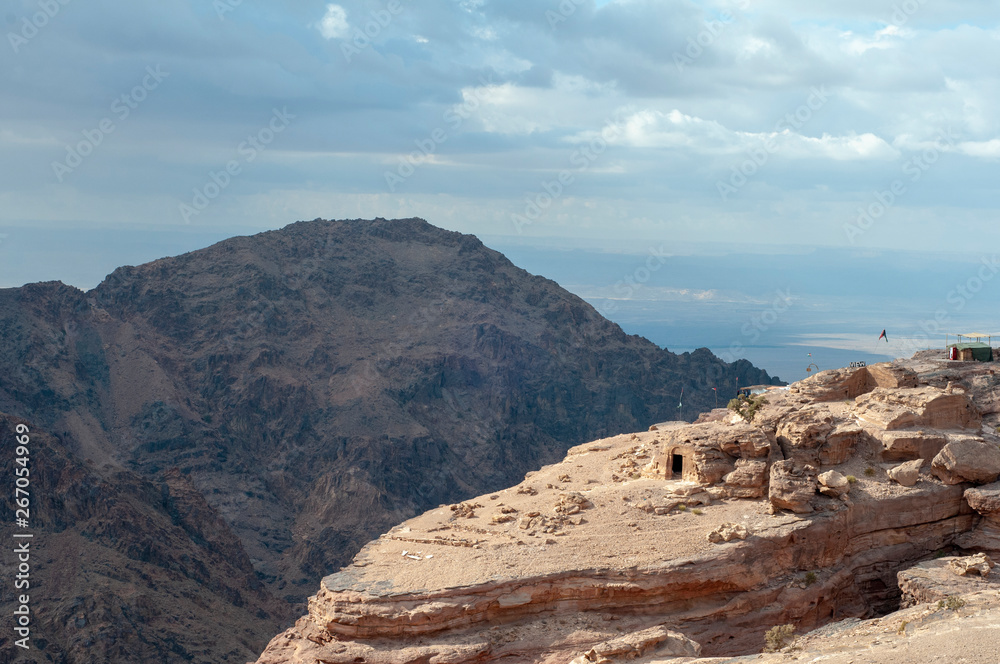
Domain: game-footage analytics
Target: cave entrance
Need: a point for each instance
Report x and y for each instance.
(677, 464)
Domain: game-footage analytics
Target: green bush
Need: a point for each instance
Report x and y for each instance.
(952, 603)
(869, 472)
(747, 406)
(851, 479)
(810, 578)
(779, 637)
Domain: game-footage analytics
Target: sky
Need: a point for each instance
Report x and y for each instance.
(135, 130)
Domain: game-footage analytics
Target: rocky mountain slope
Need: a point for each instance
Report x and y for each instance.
(218, 430)
(692, 541)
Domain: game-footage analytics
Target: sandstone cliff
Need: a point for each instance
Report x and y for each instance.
(692, 540)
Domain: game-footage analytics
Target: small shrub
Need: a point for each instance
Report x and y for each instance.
(696, 511)
(851, 479)
(779, 637)
(869, 472)
(682, 507)
(952, 603)
(747, 406)
(810, 578)
(902, 627)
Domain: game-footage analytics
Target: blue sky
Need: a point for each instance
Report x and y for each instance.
(132, 130)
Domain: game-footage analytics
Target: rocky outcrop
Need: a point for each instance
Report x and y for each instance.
(924, 406)
(939, 579)
(823, 542)
(814, 436)
(967, 460)
(909, 445)
(966, 631)
(655, 641)
(728, 532)
(792, 486)
(979, 564)
(986, 535)
(749, 479)
(850, 383)
(850, 552)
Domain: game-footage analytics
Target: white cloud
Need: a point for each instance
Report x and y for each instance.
(676, 130)
(334, 23)
(988, 149)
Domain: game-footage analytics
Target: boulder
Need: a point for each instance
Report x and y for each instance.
(571, 502)
(792, 487)
(967, 460)
(833, 484)
(748, 480)
(978, 564)
(907, 473)
(727, 532)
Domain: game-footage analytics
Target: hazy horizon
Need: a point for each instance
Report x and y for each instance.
(783, 308)
(774, 129)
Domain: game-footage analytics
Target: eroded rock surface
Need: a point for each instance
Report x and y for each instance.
(714, 532)
(941, 578)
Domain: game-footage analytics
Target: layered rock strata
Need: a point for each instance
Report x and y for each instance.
(665, 532)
